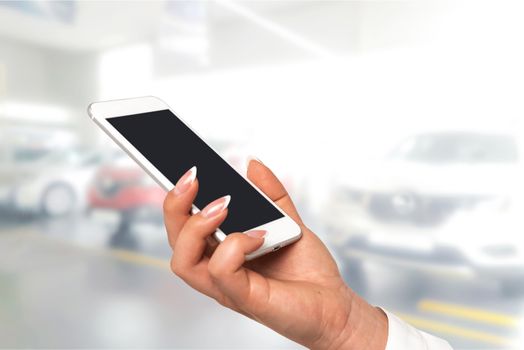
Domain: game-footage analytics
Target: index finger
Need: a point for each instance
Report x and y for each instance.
(178, 203)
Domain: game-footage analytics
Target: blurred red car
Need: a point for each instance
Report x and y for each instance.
(124, 187)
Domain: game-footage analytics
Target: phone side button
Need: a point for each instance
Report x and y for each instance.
(275, 248)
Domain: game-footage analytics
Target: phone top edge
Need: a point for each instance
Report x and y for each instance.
(90, 110)
(124, 107)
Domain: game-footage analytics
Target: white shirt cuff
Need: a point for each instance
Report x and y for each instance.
(402, 336)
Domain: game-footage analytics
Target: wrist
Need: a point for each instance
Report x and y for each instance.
(364, 326)
(369, 327)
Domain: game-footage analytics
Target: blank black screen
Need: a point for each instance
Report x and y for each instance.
(173, 149)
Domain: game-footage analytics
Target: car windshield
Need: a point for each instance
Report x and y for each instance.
(458, 148)
(23, 155)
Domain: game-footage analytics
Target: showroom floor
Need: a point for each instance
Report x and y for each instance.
(63, 294)
(67, 283)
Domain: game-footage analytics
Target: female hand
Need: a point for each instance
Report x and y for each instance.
(297, 291)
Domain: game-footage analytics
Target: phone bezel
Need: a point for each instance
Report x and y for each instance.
(280, 232)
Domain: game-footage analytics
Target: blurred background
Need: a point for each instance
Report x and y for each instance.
(396, 126)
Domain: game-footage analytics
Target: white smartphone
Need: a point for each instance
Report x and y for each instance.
(165, 147)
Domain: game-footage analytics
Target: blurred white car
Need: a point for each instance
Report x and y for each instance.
(443, 201)
(53, 185)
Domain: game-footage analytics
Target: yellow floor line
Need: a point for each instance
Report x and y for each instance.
(120, 254)
(460, 311)
(136, 258)
(444, 328)
(424, 305)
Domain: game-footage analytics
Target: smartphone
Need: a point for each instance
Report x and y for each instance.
(166, 147)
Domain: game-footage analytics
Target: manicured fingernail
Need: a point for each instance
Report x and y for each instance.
(256, 233)
(216, 206)
(185, 181)
(250, 158)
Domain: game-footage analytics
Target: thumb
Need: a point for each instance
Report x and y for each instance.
(262, 177)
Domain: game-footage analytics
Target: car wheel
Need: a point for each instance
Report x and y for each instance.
(123, 236)
(58, 200)
(147, 213)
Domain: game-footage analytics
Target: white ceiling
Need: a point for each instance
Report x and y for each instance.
(98, 24)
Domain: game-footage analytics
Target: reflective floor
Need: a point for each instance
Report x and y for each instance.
(79, 282)
(69, 293)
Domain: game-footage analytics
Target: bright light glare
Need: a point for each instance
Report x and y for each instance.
(279, 30)
(126, 71)
(28, 111)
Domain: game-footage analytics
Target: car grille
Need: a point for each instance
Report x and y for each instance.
(415, 209)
